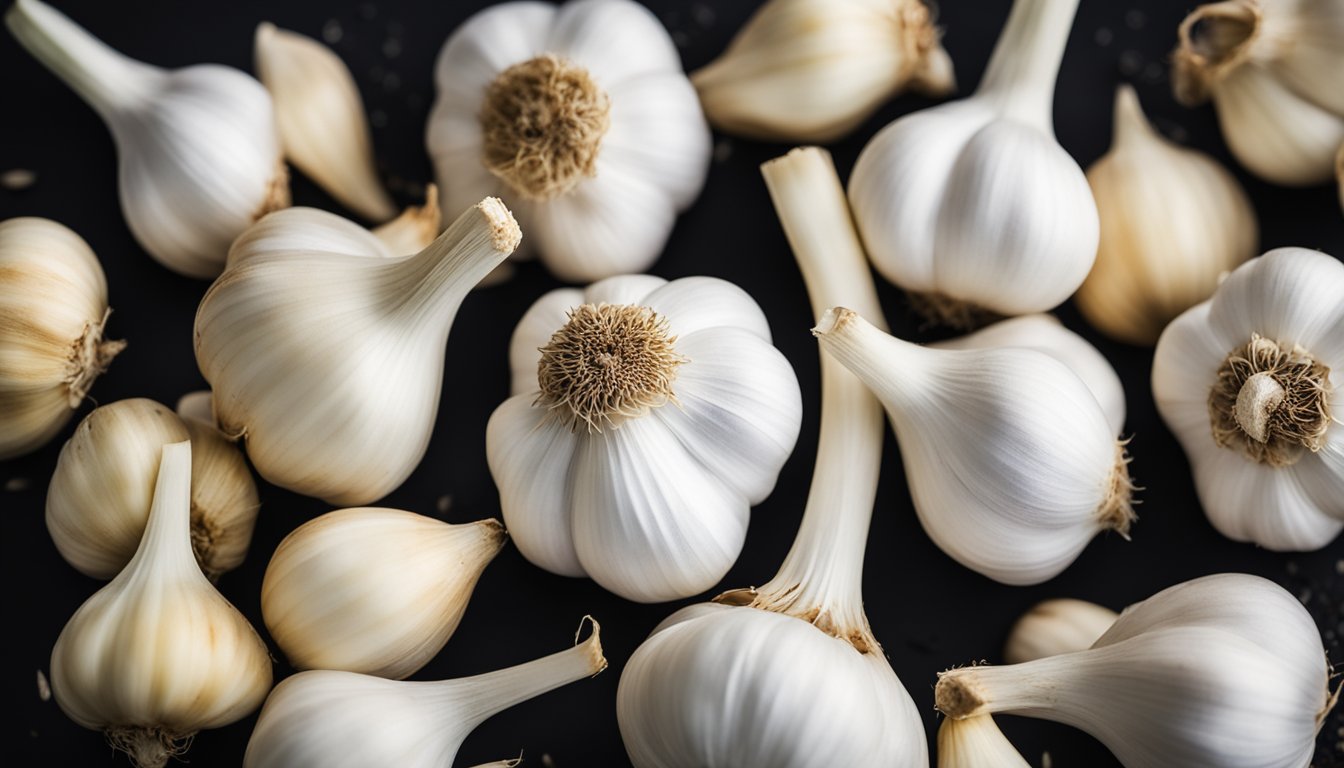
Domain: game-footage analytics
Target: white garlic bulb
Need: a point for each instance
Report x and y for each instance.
(1012, 465)
(53, 308)
(329, 367)
(647, 418)
(1225, 670)
(972, 207)
(103, 487)
(321, 119)
(1172, 222)
(1057, 626)
(975, 742)
(789, 675)
(377, 591)
(1250, 383)
(813, 70)
(198, 150)
(157, 654)
(579, 116)
(1273, 69)
(346, 720)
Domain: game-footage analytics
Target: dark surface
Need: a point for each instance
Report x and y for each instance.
(929, 612)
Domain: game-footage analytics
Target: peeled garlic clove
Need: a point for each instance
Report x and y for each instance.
(157, 654)
(53, 307)
(976, 742)
(198, 150)
(377, 591)
(415, 228)
(813, 70)
(1057, 626)
(321, 119)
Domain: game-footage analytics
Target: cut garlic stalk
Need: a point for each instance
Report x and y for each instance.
(1057, 626)
(976, 742)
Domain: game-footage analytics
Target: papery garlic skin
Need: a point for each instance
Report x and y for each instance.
(53, 307)
(605, 203)
(199, 156)
(1057, 626)
(813, 70)
(377, 591)
(1173, 221)
(157, 654)
(976, 742)
(653, 505)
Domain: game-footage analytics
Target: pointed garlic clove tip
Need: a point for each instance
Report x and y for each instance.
(415, 228)
(597, 662)
(1129, 121)
(834, 319)
(936, 75)
(198, 406)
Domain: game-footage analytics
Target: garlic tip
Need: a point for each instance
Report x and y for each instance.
(505, 234)
(596, 661)
(833, 320)
(956, 696)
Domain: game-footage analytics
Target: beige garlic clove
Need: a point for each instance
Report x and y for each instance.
(976, 742)
(1058, 626)
(415, 228)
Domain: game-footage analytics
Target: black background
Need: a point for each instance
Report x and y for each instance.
(927, 611)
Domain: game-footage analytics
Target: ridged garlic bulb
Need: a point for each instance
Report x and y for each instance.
(1225, 670)
(53, 307)
(1273, 69)
(199, 156)
(1012, 465)
(647, 418)
(581, 118)
(1057, 626)
(973, 207)
(976, 742)
(377, 591)
(157, 654)
(1251, 384)
(103, 487)
(329, 366)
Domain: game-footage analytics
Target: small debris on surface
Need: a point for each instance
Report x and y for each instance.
(547, 762)
(1135, 19)
(378, 118)
(43, 687)
(1103, 36)
(17, 179)
(391, 47)
(1046, 762)
(1130, 63)
(444, 503)
(17, 484)
(332, 32)
(723, 149)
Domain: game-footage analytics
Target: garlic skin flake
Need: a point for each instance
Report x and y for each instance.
(1249, 382)
(580, 116)
(1225, 670)
(53, 308)
(347, 720)
(1173, 221)
(329, 365)
(1273, 69)
(976, 742)
(639, 470)
(813, 70)
(972, 207)
(157, 654)
(199, 156)
(1053, 627)
(377, 591)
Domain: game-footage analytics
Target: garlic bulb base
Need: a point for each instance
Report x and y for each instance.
(1271, 401)
(940, 310)
(976, 742)
(148, 747)
(1052, 627)
(1214, 39)
(92, 355)
(791, 602)
(1116, 513)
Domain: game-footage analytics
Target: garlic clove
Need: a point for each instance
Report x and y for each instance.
(547, 313)
(1057, 626)
(624, 289)
(415, 228)
(198, 406)
(301, 230)
(1278, 135)
(976, 742)
(583, 31)
(1312, 319)
(695, 303)
(321, 119)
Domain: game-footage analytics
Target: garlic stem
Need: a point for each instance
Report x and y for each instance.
(1029, 688)
(1020, 77)
(1130, 125)
(845, 335)
(168, 529)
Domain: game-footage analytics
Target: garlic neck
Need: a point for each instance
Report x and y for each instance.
(1214, 40)
(1025, 688)
(89, 359)
(1020, 78)
(148, 746)
(542, 124)
(1130, 126)
(166, 542)
(896, 370)
(1270, 401)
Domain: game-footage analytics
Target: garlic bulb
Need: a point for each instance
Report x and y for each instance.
(377, 591)
(347, 720)
(53, 308)
(199, 155)
(1226, 670)
(1273, 69)
(321, 119)
(1011, 462)
(647, 418)
(103, 487)
(1249, 381)
(330, 366)
(157, 654)
(813, 70)
(972, 207)
(578, 115)
(975, 742)
(1058, 626)
(789, 675)
(1172, 222)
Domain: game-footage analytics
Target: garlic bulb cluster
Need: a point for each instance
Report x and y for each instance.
(813, 70)
(1273, 70)
(1053, 627)
(103, 488)
(579, 116)
(1173, 221)
(976, 742)
(321, 120)
(789, 675)
(647, 418)
(347, 720)
(1225, 670)
(199, 155)
(1250, 383)
(158, 654)
(377, 591)
(329, 367)
(53, 307)
(972, 207)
